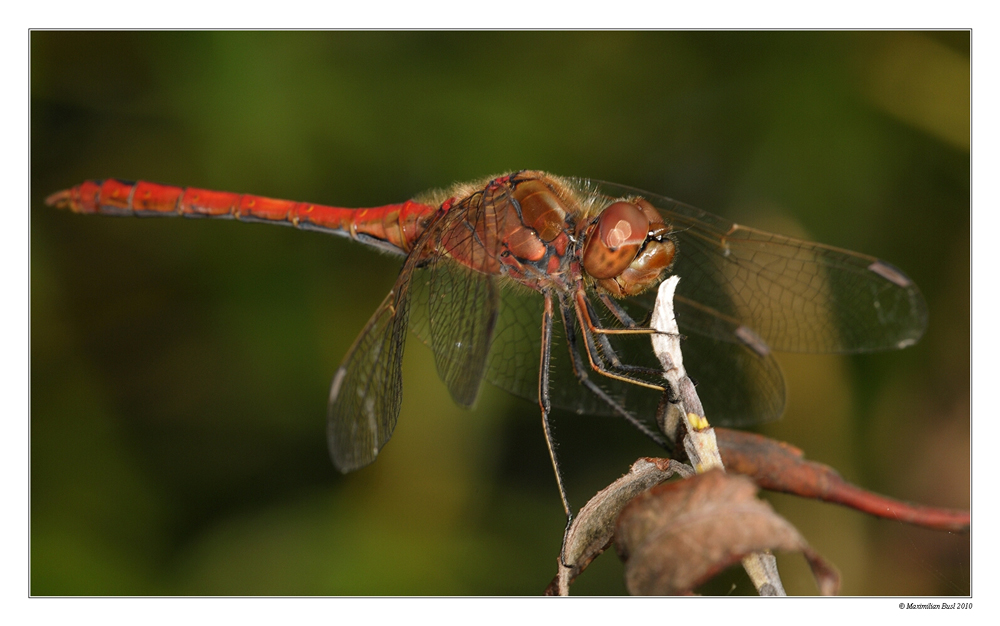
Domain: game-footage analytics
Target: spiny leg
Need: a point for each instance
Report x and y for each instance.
(587, 327)
(546, 405)
(631, 327)
(607, 350)
(617, 310)
(580, 371)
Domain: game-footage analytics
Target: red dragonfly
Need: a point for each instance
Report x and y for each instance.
(489, 265)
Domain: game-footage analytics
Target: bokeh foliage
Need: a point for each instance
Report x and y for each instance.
(179, 369)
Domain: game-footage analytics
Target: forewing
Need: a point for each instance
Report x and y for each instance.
(367, 388)
(794, 295)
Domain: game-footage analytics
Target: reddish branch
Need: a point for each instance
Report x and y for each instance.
(778, 466)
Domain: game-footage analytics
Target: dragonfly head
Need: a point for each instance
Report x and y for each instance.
(628, 248)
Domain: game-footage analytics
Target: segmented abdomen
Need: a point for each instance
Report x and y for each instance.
(393, 227)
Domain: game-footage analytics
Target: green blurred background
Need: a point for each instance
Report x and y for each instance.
(180, 369)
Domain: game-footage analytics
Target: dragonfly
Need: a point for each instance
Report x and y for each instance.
(543, 286)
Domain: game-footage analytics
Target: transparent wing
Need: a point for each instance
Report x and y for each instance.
(458, 306)
(462, 312)
(458, 302)
(738, 386)
(455, 311)
(367, 387)
(794, 295)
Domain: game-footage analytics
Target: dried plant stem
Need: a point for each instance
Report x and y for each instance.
(685, 419)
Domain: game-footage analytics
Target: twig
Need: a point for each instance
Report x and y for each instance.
(685, 418)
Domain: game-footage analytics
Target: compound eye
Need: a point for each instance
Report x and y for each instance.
(622, 224)
(649, 210)
(615, 241)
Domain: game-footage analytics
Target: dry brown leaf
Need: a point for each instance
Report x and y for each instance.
(678, 535)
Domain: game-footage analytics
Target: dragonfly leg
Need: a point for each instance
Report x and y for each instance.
(580, 371)
(546, 405)
(607, 351)
(631, 327)
(618, 370)
(617, 310)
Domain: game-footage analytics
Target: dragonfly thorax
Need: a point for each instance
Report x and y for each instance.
(538, 246)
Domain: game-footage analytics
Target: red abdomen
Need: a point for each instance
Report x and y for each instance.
(394, 227)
